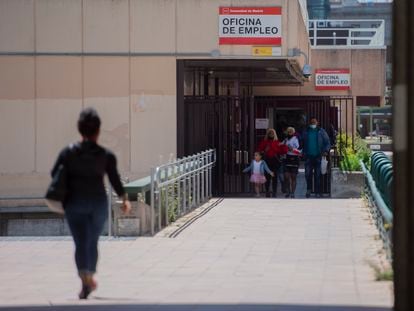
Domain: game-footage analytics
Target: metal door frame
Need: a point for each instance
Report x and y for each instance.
(225, 123)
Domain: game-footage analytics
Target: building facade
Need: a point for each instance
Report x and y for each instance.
(142, 64)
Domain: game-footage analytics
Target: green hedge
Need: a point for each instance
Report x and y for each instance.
(351, 155)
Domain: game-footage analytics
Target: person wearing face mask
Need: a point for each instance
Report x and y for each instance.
(316, 144)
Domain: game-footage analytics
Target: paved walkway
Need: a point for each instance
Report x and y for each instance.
(245, 254)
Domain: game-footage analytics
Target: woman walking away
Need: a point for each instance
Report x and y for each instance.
(291, 162)
(271, 148)
(86, 205)
(258, 168)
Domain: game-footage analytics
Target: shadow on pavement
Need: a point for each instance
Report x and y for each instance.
(202, 307)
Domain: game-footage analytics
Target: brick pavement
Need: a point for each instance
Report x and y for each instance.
(245, 254)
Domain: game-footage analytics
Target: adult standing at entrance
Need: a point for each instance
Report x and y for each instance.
(291, 162)
(86, 164)
(316, 144)
(272, 149)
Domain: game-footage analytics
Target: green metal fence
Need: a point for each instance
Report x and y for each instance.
(378, 187)
(382, 173)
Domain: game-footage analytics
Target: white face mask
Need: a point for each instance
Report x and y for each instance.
(313, 126)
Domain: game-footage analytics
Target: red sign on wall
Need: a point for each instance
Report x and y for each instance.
(250, 26)
(332, 79)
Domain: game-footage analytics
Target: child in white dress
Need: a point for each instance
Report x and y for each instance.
(258, 167)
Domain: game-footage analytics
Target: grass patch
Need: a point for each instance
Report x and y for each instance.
(382, 274)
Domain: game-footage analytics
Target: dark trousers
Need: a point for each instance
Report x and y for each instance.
(86, 219)
(313, 172)
(273, 165)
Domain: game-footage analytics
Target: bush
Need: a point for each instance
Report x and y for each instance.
(362, 151)
(350, 154)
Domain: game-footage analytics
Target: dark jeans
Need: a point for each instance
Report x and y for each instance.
(86, 219)
(273, 165)
(313, 172)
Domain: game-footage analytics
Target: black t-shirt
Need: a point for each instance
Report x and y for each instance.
(86, 164)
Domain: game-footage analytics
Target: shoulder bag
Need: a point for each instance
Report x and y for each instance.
(58, 189)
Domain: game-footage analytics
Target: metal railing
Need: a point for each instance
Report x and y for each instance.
(380, 212)
(347, 33)
(180, 186)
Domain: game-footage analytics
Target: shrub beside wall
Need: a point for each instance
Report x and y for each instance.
(350, 154)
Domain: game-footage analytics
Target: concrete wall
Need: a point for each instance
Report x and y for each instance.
(62, 67)
(108, 26)
(367, 73)
(42, 96)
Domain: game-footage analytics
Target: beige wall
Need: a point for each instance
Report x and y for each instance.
(367, 73)
(153, 111)
(16, 25)
(17, 110)
(41, 96)
(58, 25)
(58, 102)
(153, 32)
(139, 26)
(106, 26)
(40, 100)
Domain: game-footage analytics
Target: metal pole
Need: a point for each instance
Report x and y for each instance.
(158, 197)
(179, 175)
(208, 174)
(188, 184)
(202, 176)
(212, 159)
(371, 126)
(152, 211)
(194, 185)
(198, 179)
(110, 210)
(185, 180)
(166, 207)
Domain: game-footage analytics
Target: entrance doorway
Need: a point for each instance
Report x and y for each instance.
(223, 123)
(216, 108)
(227, 124)
(281, 118)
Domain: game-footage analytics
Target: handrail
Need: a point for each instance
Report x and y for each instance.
(180, 186)
(381, 214)
(385, 211)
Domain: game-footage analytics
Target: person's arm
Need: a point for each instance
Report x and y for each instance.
(113, 175)
(283, 149)
(248, 169)
(267, 169)
(326, 141)
(304, 142)
(115, 180)
(295, 143)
